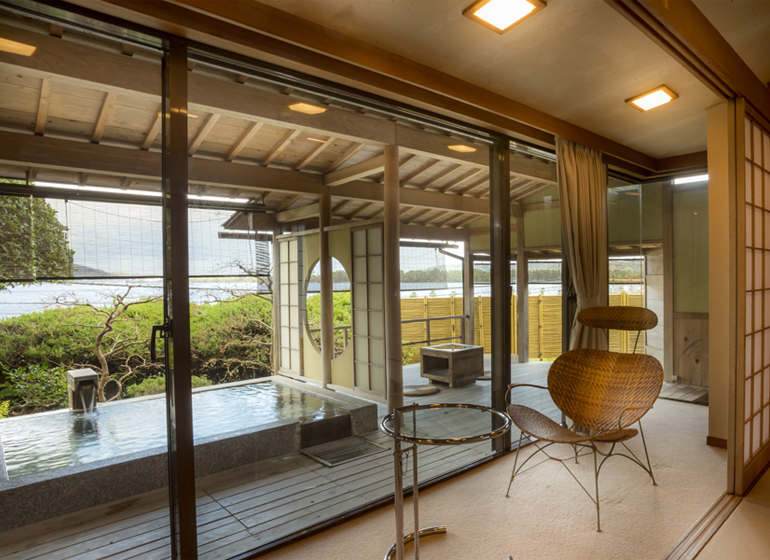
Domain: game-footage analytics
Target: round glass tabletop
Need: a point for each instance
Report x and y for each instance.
(445, 423)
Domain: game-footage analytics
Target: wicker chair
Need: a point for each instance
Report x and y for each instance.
(604, 393)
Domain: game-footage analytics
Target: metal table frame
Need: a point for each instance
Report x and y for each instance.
(396, 419)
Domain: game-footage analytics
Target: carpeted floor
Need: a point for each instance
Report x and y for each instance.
(548, 515)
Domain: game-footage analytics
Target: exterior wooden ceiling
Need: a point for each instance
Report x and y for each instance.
(86, 111)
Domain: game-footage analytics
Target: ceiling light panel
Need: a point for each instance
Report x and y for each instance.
(6, 45)
(651, 99)
(462, 148)
(307, 108)
(501, 15)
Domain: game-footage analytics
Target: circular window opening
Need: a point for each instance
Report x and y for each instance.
(343, 332)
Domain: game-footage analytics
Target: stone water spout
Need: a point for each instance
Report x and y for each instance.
(81, 389)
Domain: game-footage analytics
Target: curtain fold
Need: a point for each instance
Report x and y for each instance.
(582, 179)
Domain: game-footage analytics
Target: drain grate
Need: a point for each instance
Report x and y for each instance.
(343, 450)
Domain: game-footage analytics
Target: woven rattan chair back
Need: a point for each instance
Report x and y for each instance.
(619, 318)
(593, 387)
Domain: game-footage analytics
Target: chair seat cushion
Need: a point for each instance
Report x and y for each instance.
(539, 426)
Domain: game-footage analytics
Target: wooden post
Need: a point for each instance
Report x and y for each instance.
(275, 303)
(522, 295)
(540, 327)
(392, 281)
(468, 322)
(327, 290)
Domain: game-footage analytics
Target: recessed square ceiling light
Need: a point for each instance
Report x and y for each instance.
(307, 108)
(655, 98)
(7, 45)
(462, 148)
(501, 15)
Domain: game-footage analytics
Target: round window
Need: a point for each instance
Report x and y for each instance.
(343, 333)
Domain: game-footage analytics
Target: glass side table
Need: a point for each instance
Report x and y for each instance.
(433, 424)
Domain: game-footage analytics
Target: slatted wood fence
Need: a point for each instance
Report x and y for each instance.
(544, 324)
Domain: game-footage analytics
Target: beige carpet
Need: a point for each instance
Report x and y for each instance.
(548, 516)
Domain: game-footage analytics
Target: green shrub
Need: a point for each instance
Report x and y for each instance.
(4, 407)
(35, 386)
(157, 385)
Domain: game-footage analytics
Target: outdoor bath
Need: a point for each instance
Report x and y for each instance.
(119, 450)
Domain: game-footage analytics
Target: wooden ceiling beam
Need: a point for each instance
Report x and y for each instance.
(406, 179)
(465, 221)
(435, 218)
(528, 190)
(290, 135)
(260, 27)
(82, 66)
(104, 117)
(472, 186)
(43, 105)
(203, 131)
(418, 215)
(352, 150)
(152, 134)
(56, 30)
(440, 175)
(355, 172)
(297, 214)
(340, 206)
(249, 133)
(358, 210)
(460, 179)
(288, 202)
(99, 159)
(314, 153)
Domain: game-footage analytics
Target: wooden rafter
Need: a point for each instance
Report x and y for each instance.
(104, 117)
(152, 134)
(355, 172)
(341, 205)
(466, 221)
(127, 49)
(288, 202)
(419, 171)
(352, 150)
(126, 182)
(378, 213)
(460, 179)
(263, 197)
(527, 190)
(251, 130)
(472, 186)
(203, 131)
(414, 219)
(435, 218)
(82, 179)
(56, 30)
(43, 105)
(314, 153)
(440, 175)
(358, 210)
(290, 135)
(453, 216)
(31, 175)
(405, 210)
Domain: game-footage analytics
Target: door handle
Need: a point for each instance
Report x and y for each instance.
(166, 328)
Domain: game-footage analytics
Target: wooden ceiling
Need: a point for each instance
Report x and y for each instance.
(86, 111)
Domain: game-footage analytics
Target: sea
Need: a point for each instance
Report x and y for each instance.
(35, 298)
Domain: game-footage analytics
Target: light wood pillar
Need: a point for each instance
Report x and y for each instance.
(522, 295)
(468, 293)
(668, 283)
(327, 290)
(392, 281)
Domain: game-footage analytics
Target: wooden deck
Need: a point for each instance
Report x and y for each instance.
(253, 505)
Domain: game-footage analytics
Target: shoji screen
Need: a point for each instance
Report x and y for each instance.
(753, 393)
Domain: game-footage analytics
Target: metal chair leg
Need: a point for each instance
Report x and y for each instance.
(515, 461)
(596, 480)
(647, 455)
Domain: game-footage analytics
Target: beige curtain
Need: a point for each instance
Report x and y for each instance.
(583, 200)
